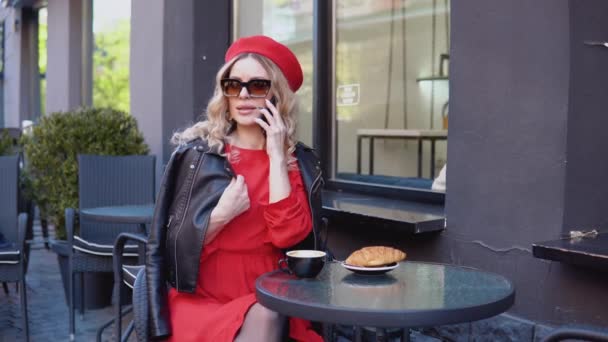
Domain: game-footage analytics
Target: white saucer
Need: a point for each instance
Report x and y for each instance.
(370, 270)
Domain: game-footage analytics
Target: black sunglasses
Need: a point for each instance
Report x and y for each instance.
(255, 88)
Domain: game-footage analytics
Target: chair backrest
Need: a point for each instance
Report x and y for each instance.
(111, 181)
(115, 180)
(9, 194)
(584, 333)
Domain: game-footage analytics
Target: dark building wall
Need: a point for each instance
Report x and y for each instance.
(527, 121)
(30, 73)
(520, 125)
(586, 194)
(176, 48)
(517, 172)
(212, 24)
(197, 34)
(178, 65)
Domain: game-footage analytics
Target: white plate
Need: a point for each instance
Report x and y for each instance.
(370, 270)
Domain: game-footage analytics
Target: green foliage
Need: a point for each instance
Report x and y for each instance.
(7, 144)
(111, 67)
(42, 41)
(52, 148)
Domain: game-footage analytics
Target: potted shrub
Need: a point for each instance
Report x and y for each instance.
(51, 151)
(7, 144)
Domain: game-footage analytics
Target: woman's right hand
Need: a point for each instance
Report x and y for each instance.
(234, 201)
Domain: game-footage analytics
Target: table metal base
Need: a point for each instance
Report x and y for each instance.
(382, 334)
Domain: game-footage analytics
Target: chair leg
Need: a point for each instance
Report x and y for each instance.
(329, 332)
(358, 334)
(71, 308)
(24, 308)
(381, 335)
(102, 328)
(5, 287)
(128, 332)
(45, 232)
(82, 296)
(117, 310)
(406, 335)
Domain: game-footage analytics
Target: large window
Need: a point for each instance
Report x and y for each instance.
(391, 71)
(391, 62)
(111, 30)
(289, 22)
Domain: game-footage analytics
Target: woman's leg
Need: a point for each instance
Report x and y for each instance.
(261, 324)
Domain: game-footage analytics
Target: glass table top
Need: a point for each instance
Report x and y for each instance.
(414, 289)
(121, 214)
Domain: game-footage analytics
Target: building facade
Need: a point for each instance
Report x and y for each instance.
(525, 117)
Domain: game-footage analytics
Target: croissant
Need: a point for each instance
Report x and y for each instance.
(375, 256)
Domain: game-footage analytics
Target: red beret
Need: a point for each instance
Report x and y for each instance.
(273, 50)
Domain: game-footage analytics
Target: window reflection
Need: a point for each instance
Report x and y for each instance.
(391, 91)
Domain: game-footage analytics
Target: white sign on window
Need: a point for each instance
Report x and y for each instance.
(348, 95)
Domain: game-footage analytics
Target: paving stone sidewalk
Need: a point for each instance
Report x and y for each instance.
(48, 312)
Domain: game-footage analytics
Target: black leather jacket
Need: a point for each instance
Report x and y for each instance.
(192, 185)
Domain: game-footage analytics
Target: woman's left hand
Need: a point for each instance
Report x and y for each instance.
(275, 131)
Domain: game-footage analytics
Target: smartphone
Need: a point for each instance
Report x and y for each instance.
(273, 100)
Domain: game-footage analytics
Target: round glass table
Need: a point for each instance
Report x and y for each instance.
(138, 214)
(413, 295)
(123, 214)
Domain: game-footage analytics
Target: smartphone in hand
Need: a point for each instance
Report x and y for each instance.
(273, 100)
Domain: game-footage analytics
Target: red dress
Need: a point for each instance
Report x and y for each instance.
(245, 248)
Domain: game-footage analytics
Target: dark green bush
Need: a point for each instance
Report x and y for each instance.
(7, 143)
(51, 154)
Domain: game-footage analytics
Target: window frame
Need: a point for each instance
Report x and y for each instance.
(324, 42)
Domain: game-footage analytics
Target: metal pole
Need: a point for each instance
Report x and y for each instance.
(323, 81)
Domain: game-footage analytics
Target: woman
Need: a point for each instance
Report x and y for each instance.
(237, 191)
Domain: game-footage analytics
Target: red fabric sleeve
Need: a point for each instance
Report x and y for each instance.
(289, 220)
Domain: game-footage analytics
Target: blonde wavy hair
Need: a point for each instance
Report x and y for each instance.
(217, 125)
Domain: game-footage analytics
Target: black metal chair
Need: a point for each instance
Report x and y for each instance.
(25, 204)
(13, 228)
(104, 181)
(578, 333)
(140, 307)
(140, 311)
(127, 274)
